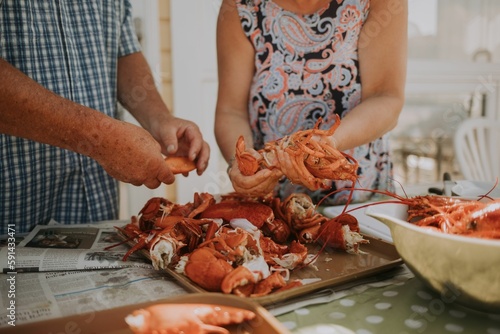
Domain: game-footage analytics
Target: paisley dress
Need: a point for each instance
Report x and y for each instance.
(306, 67)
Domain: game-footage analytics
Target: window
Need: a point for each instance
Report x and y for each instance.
(453, 73)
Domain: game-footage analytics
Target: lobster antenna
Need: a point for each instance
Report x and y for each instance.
(489, 192)
(352, 188)
(401, 185)
(349, 199)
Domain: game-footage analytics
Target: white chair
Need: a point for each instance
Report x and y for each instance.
(477, 149)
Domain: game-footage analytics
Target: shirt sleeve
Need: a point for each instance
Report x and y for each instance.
(128, 41)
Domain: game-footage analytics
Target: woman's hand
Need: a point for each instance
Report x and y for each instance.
(260, 184)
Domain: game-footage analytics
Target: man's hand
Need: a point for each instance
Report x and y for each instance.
(130, 154)
(181, 137)
(176, 136)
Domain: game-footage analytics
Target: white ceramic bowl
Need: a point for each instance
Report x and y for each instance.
(462, 269)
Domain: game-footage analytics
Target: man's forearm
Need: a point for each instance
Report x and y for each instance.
(137, 90)
(31, 111)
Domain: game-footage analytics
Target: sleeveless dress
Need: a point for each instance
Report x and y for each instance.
(306, 67)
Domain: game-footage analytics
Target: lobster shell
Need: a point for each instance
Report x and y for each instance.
(180, 165)
(186, 318)
(256, 213)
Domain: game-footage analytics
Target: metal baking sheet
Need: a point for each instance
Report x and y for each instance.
(332, 269)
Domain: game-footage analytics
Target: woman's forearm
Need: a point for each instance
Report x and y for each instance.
(229, 126)
(370, 120)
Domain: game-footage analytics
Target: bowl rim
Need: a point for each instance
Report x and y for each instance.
(370, 211)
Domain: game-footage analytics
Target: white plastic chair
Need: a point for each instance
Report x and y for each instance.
(477, 149)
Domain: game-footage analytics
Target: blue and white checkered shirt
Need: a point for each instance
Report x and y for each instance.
(70, 47)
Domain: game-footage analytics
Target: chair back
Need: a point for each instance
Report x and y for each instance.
(477, 149)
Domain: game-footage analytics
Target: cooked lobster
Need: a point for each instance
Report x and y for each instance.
(186, 318)
(306, 157)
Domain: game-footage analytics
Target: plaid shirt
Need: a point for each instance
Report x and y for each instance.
(71, 48)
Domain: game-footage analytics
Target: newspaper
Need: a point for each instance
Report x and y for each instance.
(62, 270)
(50, 295)
(57, 247)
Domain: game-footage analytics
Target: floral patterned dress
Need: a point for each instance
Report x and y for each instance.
(306, 67)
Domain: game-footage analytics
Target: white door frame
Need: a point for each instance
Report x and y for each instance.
(132, 198)
(194, 78)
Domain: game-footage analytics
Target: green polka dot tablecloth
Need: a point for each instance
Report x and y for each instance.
(401, 305)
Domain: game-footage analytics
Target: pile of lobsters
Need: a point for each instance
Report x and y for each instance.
(236, 244)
